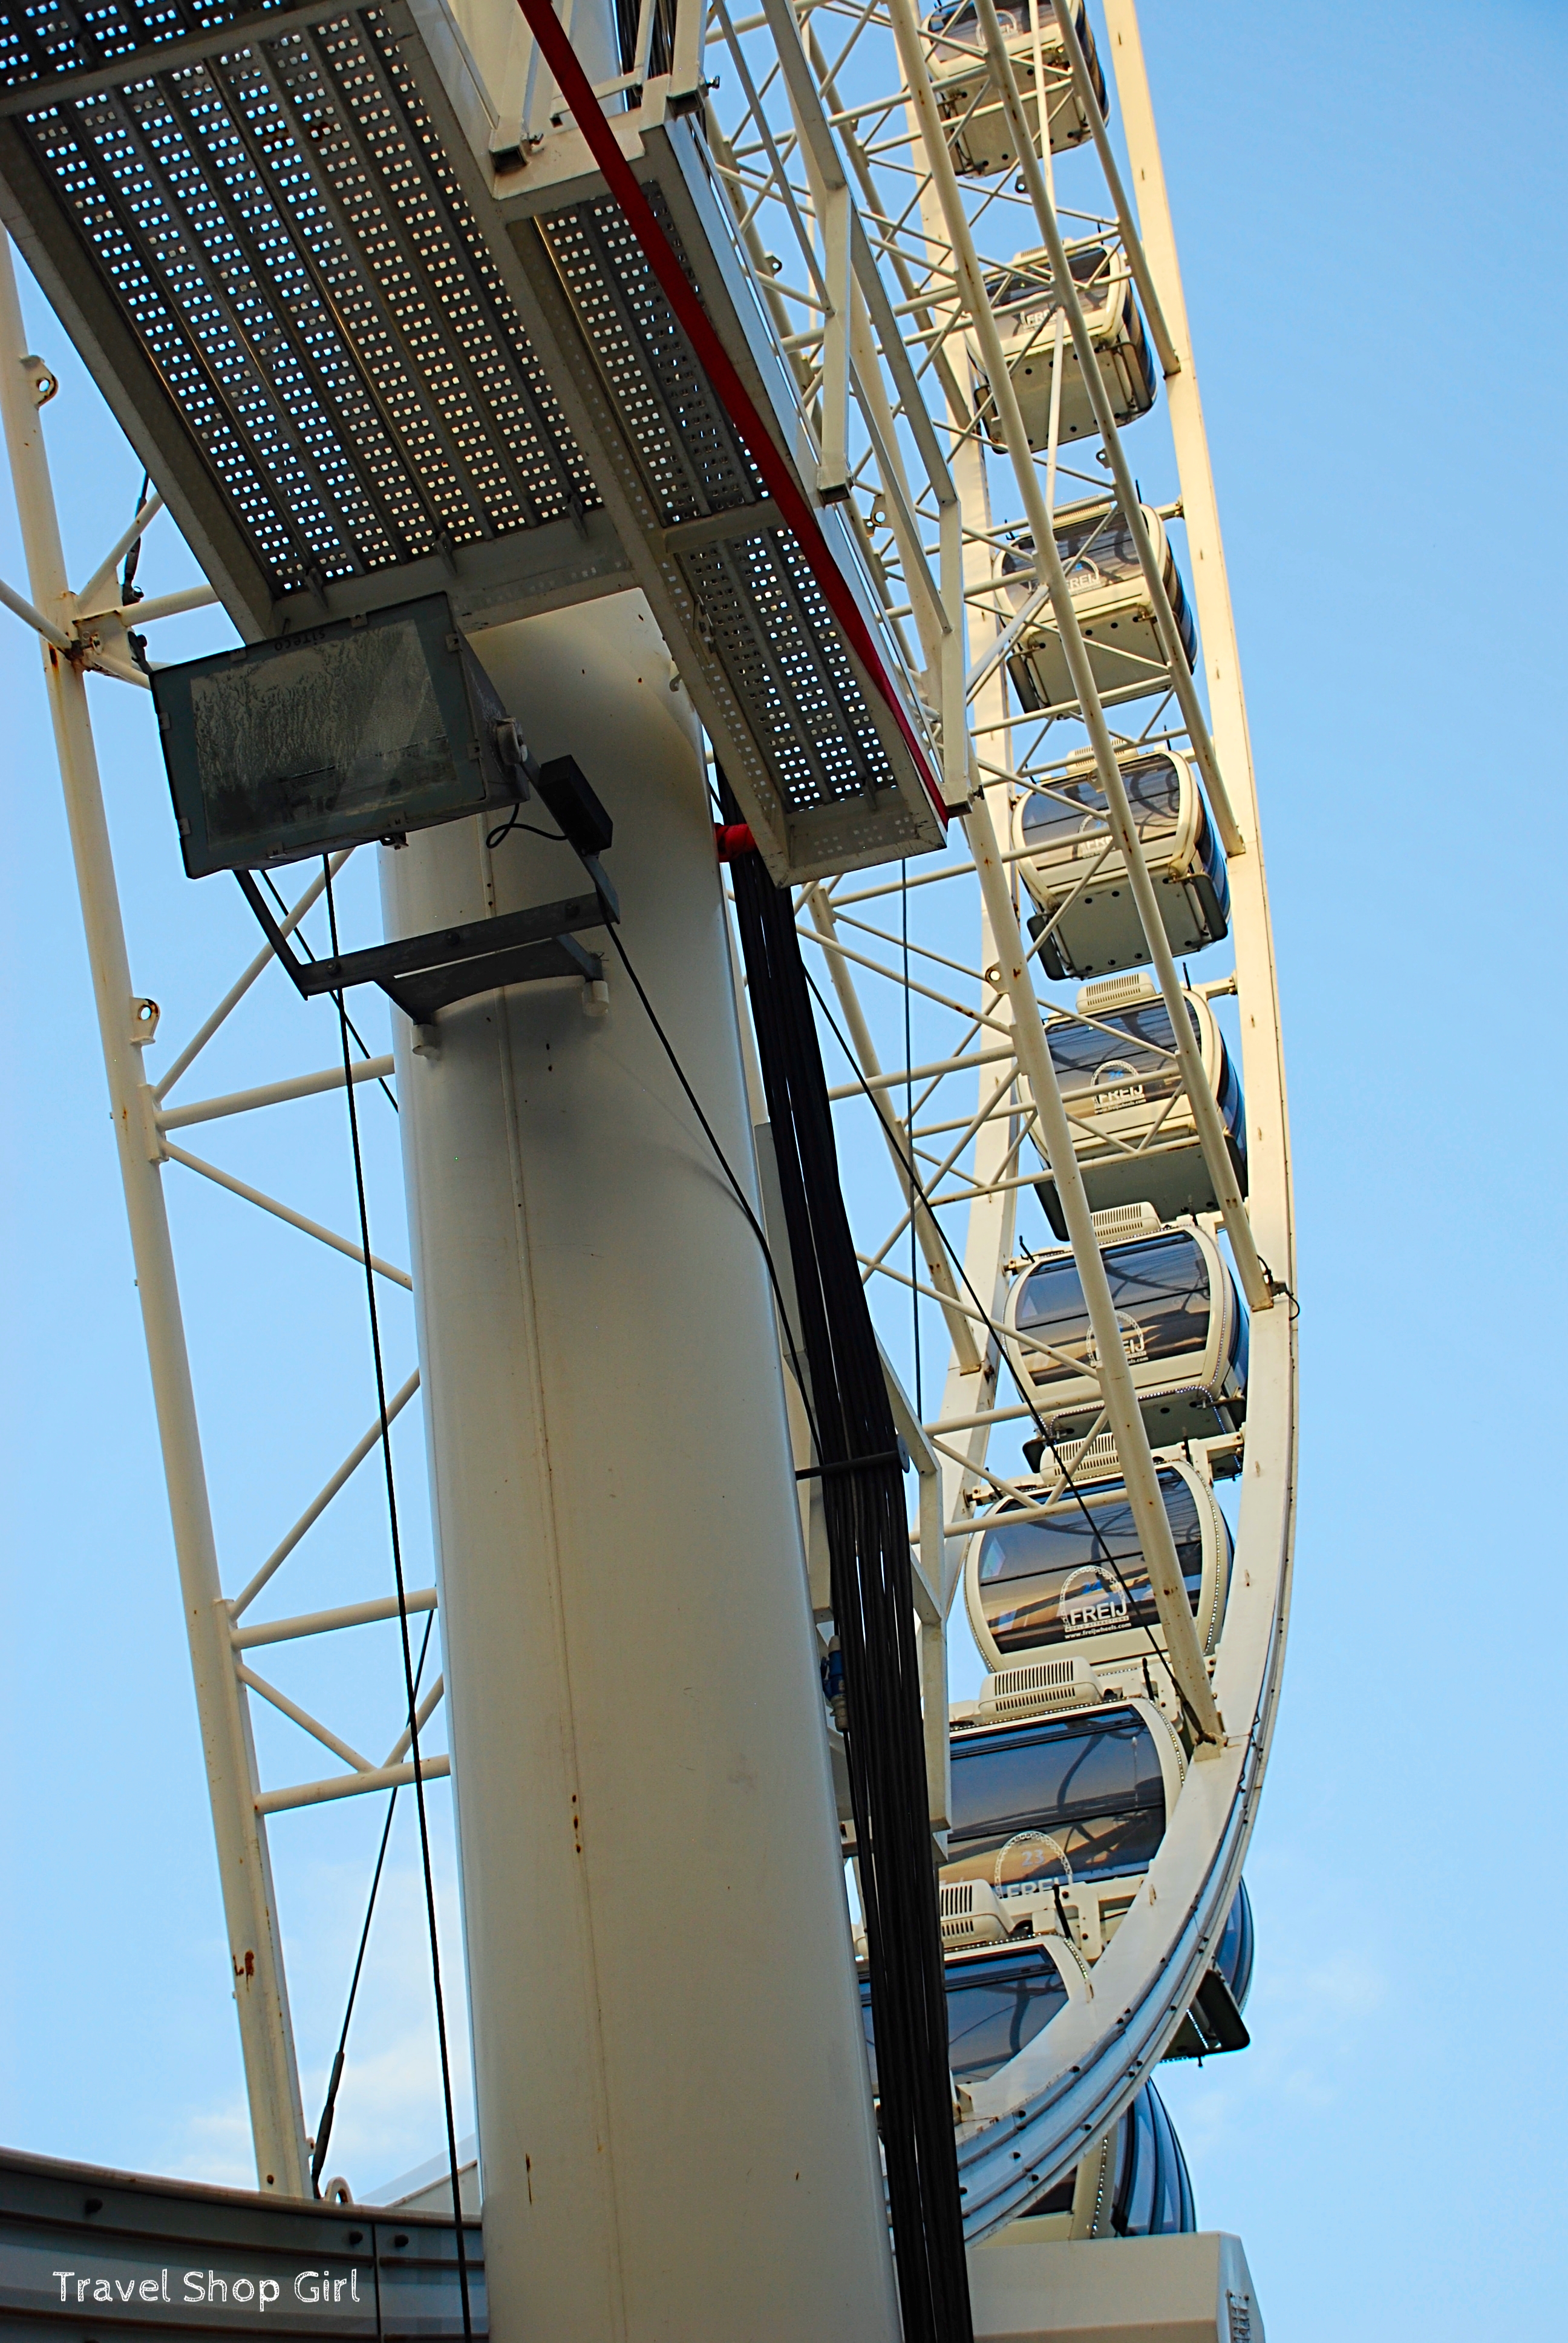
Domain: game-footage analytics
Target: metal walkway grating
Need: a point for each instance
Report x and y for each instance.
(362, 364)
(761, 613)
(281, 227)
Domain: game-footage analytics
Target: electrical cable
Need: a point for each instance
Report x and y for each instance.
(555, 838)
(129, 591)
(873, 1618)
(504, 830)
(909, 1132)
(403, 1625)
(364, 1046)
(740, 1196)
(324, 2128)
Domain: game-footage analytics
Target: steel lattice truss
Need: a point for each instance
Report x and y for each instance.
(934, 351)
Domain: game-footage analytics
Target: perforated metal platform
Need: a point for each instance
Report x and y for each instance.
(760, 610)
(273, 222)
(361, 367)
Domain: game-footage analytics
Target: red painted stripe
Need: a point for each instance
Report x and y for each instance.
(733, 395)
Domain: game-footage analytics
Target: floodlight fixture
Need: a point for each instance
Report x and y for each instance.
(368, 727)
(365, 727)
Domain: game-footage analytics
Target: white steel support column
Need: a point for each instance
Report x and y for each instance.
(674, 2125)
(260, 1994)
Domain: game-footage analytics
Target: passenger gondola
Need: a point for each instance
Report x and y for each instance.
(997, 2003)
(1133, 1129)
(1077, 874)
(1025, 305)
(1054, 1823)
(1135, 2183)
(1214, 2025)
(1237, 1943)
(1138, 2183)
(1183, 1328)
(1114, 609)
(968, 97)
(1060, 1575)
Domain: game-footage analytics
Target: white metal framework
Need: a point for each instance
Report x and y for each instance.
(949, 320)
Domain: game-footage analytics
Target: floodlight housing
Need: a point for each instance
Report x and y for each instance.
(365, 727)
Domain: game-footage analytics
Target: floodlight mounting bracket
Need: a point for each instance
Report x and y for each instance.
(423, 974)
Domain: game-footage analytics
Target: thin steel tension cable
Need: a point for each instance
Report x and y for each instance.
(386, 1089)
(403, 1626)
(329, 2108)
(740, 1197)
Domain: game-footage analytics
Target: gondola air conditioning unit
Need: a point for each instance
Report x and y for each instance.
(969, 101)
(1026, 310)
(1183, 1330)
(1037, 1687)
(1133, 1129)
(1058, 1582)
(1113, 607)
(1076, 873)
(973, 1913)
(372, 342)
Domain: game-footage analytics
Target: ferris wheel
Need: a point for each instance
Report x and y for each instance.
(732, 627)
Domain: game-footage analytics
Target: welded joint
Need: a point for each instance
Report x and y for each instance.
(143, 1113)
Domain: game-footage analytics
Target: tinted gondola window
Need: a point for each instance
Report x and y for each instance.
(995, 2005)
(1050, 817)
(1233, 1953)
(1241, 1347)
(1131, 1044)
(1081, 1570)
(1154, 2191)
(1031, 288)
(1030, 1802)
(1133, 2211)
(1097, 550)
(1162, 1286)
(1173, 2211)
(1231, 1112)
(963, 21)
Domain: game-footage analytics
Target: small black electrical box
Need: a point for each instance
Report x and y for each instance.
(579, 816)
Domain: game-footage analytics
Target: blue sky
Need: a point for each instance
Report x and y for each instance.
(1367, 208)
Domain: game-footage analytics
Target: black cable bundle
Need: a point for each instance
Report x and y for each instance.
(874, 1617)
